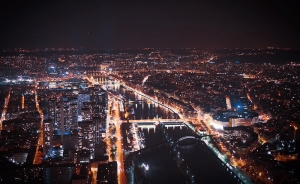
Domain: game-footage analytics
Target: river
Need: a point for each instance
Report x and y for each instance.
(206, 167)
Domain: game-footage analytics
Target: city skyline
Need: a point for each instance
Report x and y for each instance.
(155, 24)
(181, 91)
(227, 116)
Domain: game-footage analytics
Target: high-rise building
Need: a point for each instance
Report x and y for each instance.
(52, 110)
(96, 110)
(62, 118)
(82, 97)
(86, 136)
(55, 173)
(63, 124)
(86, 111)
(99, 96)
(48, 136)
(73, 116)
(99, 124)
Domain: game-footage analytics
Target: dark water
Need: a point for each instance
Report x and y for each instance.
(206, 167)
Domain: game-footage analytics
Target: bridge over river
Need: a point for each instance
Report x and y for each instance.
(172, 121)
(148, 124)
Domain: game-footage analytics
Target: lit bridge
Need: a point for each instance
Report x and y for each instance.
(148, 124)
(187, 137)
(171, 121)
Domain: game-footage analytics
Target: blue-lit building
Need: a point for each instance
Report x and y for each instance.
(241, 104)
(58, 173)
(52, 68)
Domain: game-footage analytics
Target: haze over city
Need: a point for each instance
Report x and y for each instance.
(154, 24)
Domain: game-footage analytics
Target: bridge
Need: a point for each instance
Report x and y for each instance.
(187, 137)
(172, 121)
(148, 124)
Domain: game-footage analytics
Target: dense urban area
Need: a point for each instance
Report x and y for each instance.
(89, 116)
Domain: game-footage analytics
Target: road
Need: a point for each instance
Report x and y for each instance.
(115, 119)
(38, 157)
(4, 109)
(120, 154)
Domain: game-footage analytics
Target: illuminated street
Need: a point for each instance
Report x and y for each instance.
(4, 109)
(38, 157)
(119, 157)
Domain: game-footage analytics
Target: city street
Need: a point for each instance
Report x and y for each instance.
(4, 109)
(38, 157)
(115, 118)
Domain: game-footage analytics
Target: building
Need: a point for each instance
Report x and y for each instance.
(233, 119)
(241, 139)
(86, 136)
(73, 116)
(61, 173)
(99, 133)
(108, 173)
(52, 109)
(48, 136)
(21, 124)
(99, 96)
(86, 114)
(241, 104)
(18, 158)
(79, 179)
(82, 97)
(21, 174)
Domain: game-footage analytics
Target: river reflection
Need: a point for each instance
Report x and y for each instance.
(138, 106)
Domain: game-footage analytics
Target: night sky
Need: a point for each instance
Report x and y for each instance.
(110, 24)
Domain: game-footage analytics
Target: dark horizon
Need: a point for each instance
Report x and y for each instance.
(154, 24)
